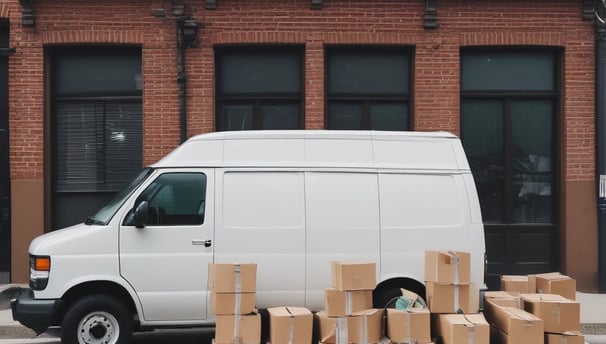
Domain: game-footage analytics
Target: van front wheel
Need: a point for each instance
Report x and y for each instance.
(97, 319)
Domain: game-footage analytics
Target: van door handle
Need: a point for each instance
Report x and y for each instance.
(206, 243)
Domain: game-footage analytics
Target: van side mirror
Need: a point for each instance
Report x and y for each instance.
(142, 214)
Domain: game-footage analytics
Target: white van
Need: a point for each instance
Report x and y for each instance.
(289, 201)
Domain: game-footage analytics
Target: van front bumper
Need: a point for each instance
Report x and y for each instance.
(32, 313)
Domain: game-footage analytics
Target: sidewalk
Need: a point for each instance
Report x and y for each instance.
(593, 316)
(8, 327)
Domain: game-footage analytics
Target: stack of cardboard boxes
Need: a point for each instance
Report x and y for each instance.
(348, 316)
(551, 298)
(452, 300)
(232, 298)
(510, 323)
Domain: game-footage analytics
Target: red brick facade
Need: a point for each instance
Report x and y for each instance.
(436, 72)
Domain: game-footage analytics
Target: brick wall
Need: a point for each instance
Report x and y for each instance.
(436, 64)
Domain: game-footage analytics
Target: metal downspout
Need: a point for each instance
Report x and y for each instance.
(181, 80)
(600, 108)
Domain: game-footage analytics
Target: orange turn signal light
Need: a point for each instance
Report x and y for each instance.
(42, 264)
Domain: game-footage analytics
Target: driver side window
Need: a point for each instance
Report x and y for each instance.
(175, 199)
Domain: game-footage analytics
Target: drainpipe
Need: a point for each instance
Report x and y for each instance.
(600, 108)
(181, 80)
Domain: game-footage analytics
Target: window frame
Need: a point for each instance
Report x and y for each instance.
(258, 100)
(506, 97)
(366, 100)
(101, 97)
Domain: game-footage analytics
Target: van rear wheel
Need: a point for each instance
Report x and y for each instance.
(386, 294)
(97, 319)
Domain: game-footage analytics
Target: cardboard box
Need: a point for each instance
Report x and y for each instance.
(248, 328)
(559, 313)
(491, 303)
(502, 295)
(532, 283)
(448, 298)
(232, 303)
(361, 327)
(447, 267)
(556, 283)
(339, 303)
(232, 278)
(354, 276)
(463, 328)
(516, 284)
(409, 326)
(565, 338)
(518, 325)
(290, 325)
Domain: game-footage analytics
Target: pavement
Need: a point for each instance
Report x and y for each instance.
(593, 317)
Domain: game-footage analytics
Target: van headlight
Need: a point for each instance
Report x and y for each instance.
(39, 270)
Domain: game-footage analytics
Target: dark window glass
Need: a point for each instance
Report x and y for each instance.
(386, 116)
(280, 116)
(237, 117)
(176, 199)
(508, 135)
(482, 131)
(259, 88)
(532, 142)
(529, 71)
(115, 71)
(254, 72)
(98, 145)
(344, 116)
(368, 72)
(368, 88)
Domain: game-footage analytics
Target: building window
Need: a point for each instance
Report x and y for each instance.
(368, 88)
(97, 126)
(508, 111)
(259, 88)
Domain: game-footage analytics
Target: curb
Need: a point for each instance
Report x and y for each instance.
(593, 329)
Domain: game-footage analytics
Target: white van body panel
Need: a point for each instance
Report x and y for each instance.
(291, 202)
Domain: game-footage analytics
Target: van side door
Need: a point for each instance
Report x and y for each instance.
(261, 219)
(166, 258)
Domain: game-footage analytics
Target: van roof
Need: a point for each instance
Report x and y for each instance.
(320, 148)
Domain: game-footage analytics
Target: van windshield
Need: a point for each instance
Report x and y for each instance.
(105, 214)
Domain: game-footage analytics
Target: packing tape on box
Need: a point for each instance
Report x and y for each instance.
(237, 338)
(342, 330)
(471, 331)
(237, 305)
(456, 298)
(557, 313)
(348, 302)
(291, 330)
(564, 339)
(364, 330)
(455, 260)
(238, 289)
(238, 278)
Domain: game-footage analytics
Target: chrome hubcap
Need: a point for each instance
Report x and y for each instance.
(98, 328)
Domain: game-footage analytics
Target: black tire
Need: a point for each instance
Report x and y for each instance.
(386, 295)
(97, 319)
